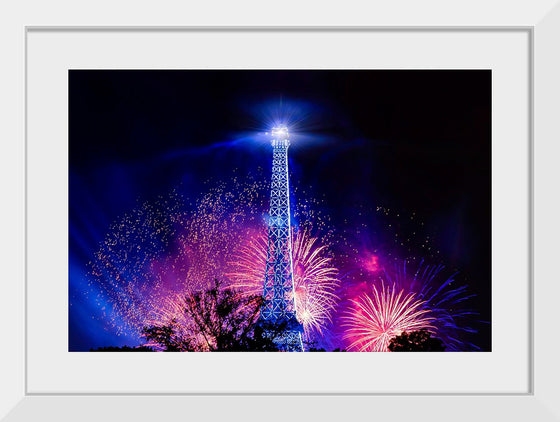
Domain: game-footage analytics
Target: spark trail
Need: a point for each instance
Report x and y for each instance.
(377, 316)
(315, 277)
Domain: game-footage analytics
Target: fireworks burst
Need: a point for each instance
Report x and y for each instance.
(444, 300)
(378, 316)
(163, 250)
(315, 282)
(315, 277)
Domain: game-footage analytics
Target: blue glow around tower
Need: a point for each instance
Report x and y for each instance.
(278, 289)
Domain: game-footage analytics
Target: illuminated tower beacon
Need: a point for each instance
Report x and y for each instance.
(278, 290)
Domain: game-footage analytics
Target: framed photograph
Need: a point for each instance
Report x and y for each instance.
(261, 189)
(299, 237)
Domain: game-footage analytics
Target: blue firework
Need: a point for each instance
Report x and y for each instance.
(446, 300)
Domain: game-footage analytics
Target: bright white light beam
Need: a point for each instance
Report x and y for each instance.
(280, 132)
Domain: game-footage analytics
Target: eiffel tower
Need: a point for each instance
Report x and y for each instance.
(278, 290)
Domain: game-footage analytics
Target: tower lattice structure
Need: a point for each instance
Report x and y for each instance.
(278, 291)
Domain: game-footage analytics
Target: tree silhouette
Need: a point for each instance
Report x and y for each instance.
(218, 320)
(123, 349)
(416, 341)
(167, 338)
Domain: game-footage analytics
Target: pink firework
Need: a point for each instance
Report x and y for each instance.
(376, 317)
(315, 277)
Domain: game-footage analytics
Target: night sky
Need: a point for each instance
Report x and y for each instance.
(409, 141)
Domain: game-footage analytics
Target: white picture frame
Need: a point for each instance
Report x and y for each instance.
(540, 20)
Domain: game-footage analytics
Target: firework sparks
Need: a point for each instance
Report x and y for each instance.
(445, 300)
(158, 253)
(315, 277)
(118, 281)
(378, 316)
(315, 282)
(162, 250)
